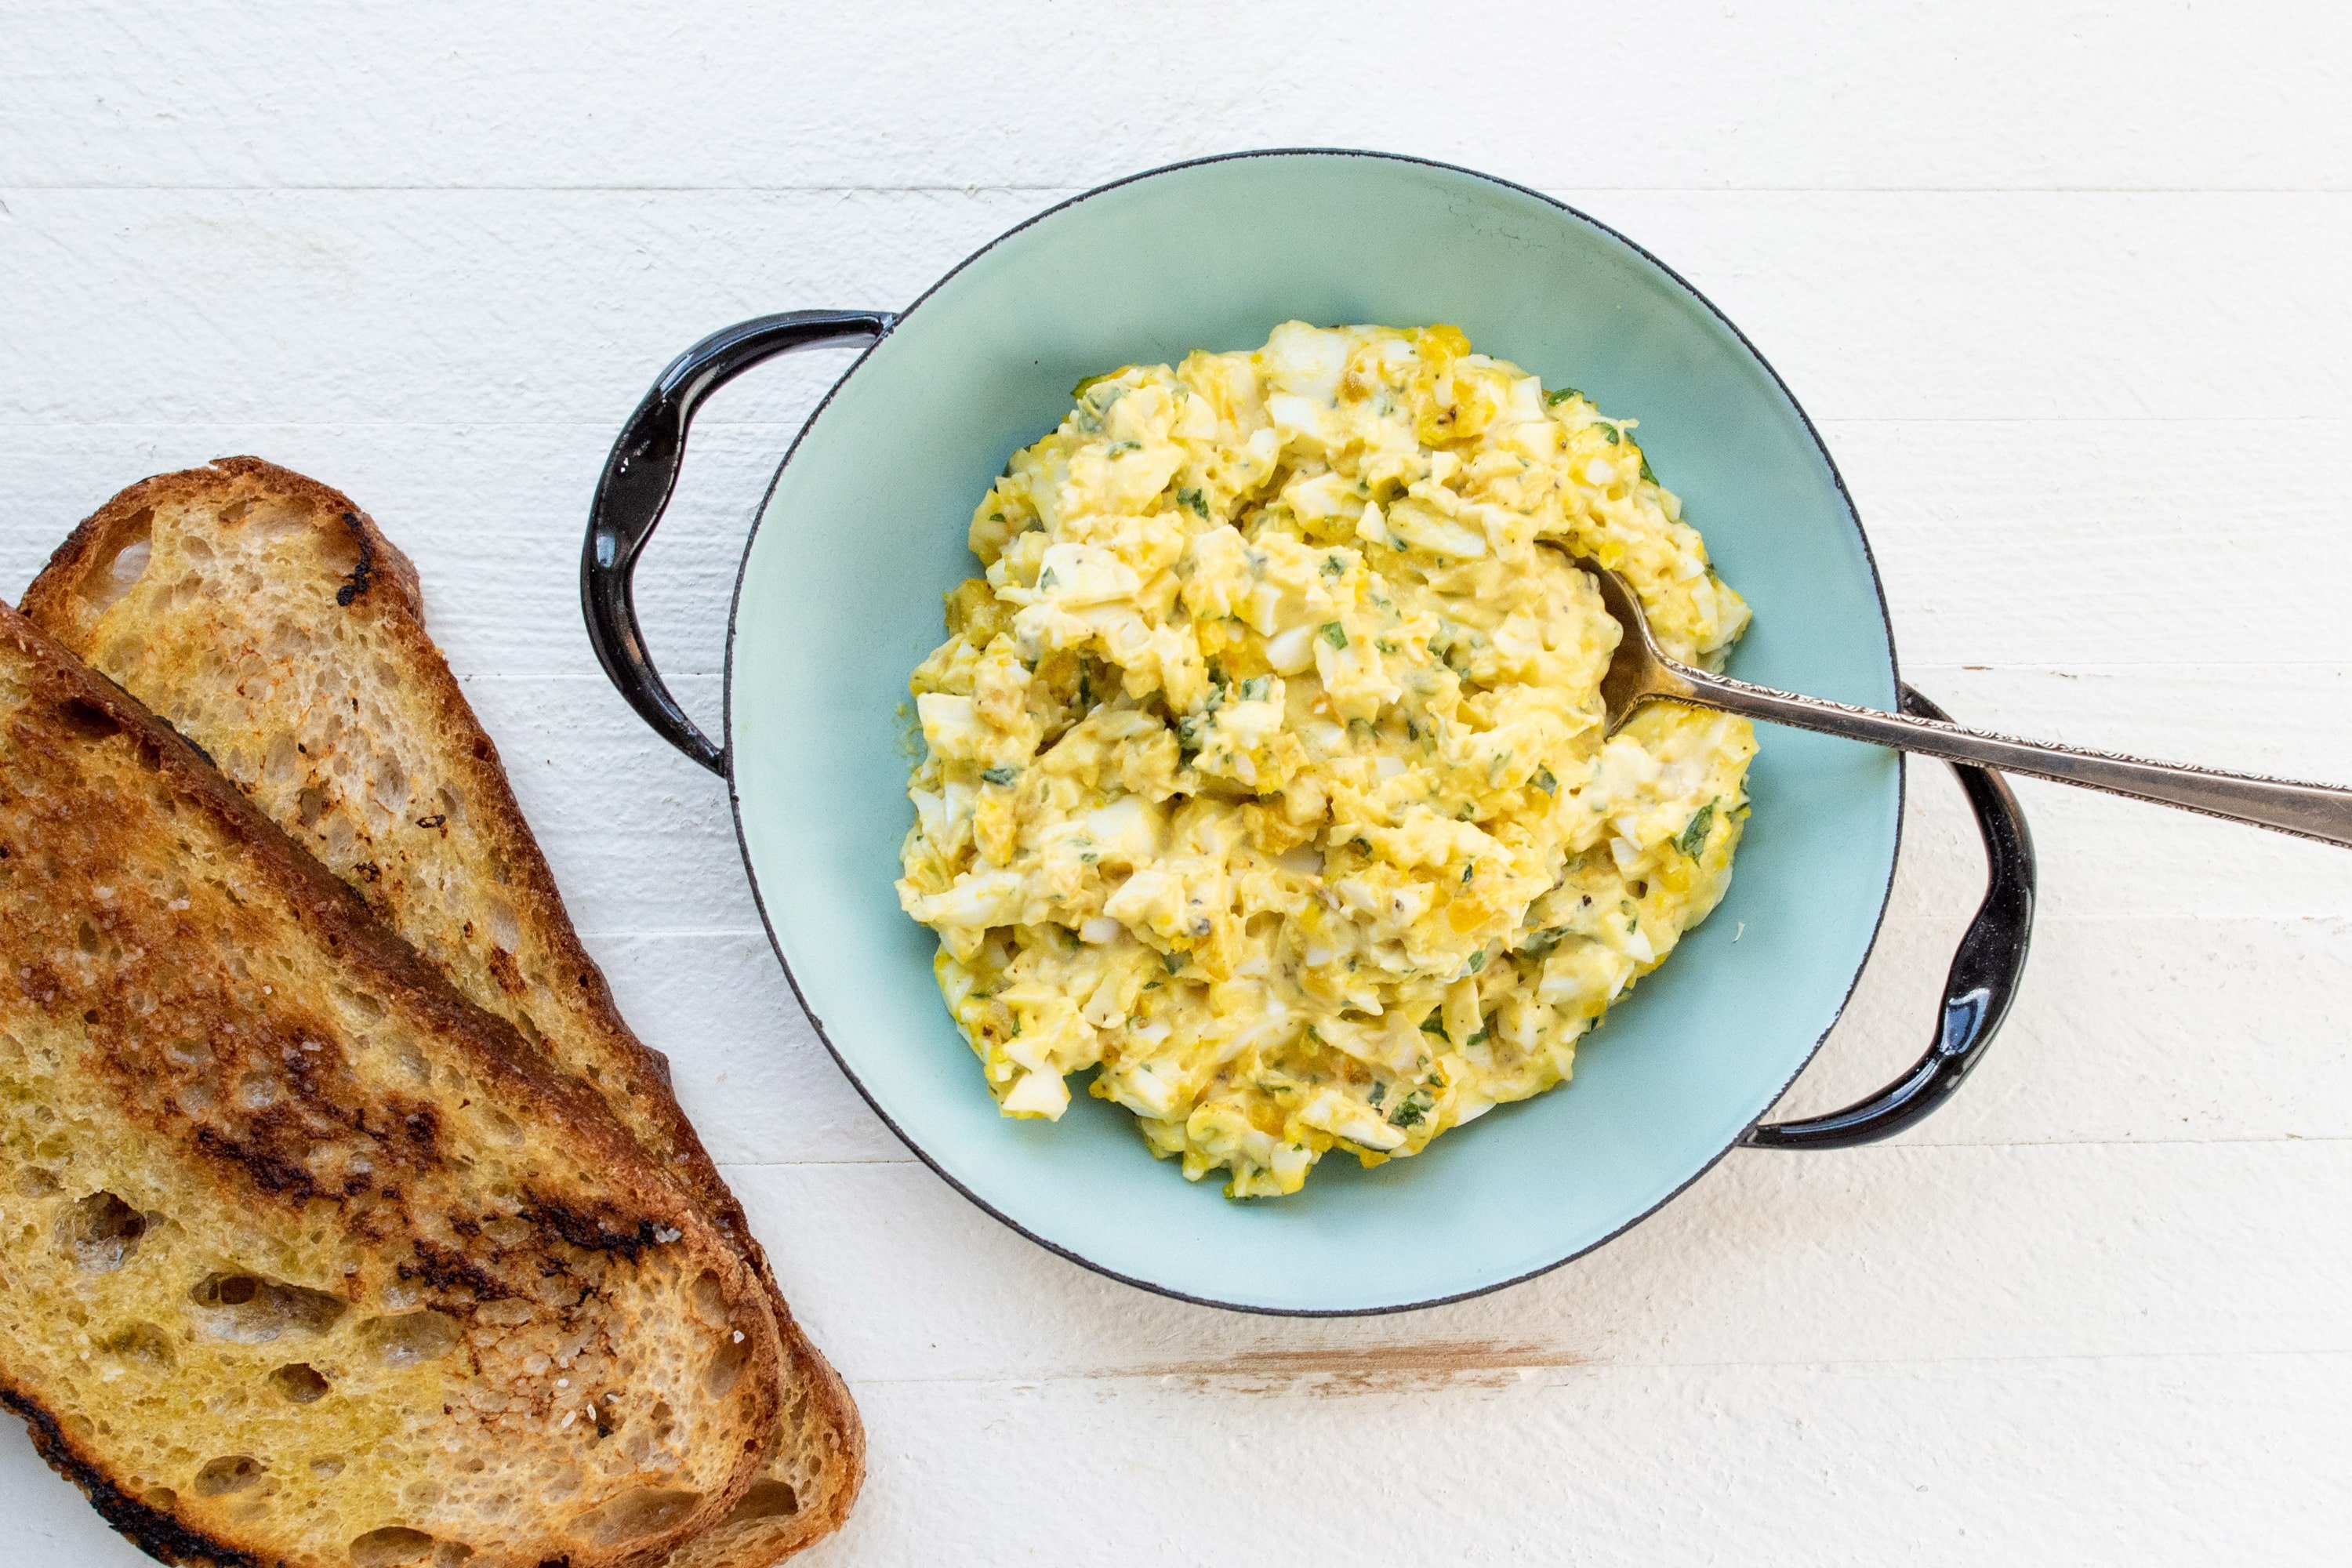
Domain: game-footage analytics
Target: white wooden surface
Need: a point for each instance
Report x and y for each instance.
(2065, 285)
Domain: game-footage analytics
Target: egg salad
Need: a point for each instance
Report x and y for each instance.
(1266, 773)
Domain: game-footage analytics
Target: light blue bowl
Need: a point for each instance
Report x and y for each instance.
(864, 530)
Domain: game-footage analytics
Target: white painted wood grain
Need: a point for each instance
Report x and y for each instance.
(472, 307)
(1883, 1254)
(2062, 286)
(1936, 1462)
(1690, 93)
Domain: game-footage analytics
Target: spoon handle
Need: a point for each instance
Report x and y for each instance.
(2309, 810)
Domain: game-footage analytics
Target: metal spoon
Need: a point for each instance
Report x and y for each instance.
(1641, 674)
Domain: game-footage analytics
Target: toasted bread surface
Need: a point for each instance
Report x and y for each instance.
(308, 1259)
(272, 623)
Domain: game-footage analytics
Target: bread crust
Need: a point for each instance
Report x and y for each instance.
(153, 1531)
(76, 697)
(383, 586)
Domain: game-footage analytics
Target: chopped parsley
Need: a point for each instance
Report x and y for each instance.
(1469, 871)
(1385, 645)
(1694, 834)
(1174, 961)
(1546, 783)
(1434, 1024)
(1196, 499)
(1380, 1092)
(999, 775)
(1047, 579)
(1412, 1110)
(1477, 961)
(1540, 943)
(1608, 433)
(1334, 567)
(1645, 469)
(1554, 399)
(1335, 634)
(1477, 1040)
(1256, 686)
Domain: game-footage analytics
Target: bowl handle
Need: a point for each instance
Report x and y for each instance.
(635, 486)
(1976, 993)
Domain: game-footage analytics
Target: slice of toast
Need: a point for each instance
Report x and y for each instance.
(308, 1259)
(270, 621)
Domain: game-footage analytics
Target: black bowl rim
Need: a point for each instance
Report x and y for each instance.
(752, 874)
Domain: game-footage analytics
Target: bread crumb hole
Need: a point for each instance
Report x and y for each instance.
(766, 1500)
(102, 1232)
(632, 1515)
(710, 1298)
(283, 763)
(298, 1381)
(87, 720)
(360, 1002)
(249, 1310)
(232, 1473)
(390, 1547)
(726, 1367)
(509, 1230)
(412, 1338)
(141, 1344)
(511, 1313)
(130, 563)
